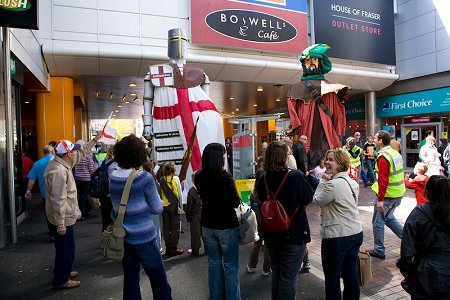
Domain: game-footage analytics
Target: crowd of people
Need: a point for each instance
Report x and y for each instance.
(155, 208)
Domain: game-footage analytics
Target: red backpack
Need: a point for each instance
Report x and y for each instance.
(274, 218)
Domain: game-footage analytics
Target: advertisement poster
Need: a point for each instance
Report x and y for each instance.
(389, 128)
(245, 188)
(273, 25)
(414, 135)
(368, 25)
(242, 155)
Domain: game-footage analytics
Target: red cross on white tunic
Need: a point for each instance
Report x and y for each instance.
(184, 108)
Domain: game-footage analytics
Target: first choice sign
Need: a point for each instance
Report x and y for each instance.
(19, 13)
(251, 26)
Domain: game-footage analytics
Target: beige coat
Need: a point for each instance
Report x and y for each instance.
(61, 205)
(338, 206)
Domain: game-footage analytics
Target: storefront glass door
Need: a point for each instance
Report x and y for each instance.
(412, 135)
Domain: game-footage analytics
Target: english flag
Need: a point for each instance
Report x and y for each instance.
(109, 134)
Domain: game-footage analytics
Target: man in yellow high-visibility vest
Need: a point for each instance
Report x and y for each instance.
(389, 188)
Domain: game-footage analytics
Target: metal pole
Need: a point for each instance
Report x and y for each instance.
(373, 124)
(253, 134)
(9, 134)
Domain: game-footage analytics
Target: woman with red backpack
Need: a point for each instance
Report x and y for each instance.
(292, 191)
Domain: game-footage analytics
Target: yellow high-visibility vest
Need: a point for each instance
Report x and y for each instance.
(396, 185)
(353, 161)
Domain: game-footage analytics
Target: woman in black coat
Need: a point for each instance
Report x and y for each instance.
(425, 250)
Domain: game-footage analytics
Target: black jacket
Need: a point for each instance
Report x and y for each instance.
(425, 254)
(220, 197)
(299, 152)
(295, 193)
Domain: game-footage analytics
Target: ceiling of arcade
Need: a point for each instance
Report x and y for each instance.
(236, 90)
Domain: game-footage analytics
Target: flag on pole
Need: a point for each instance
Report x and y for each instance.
(109, 134)
(188, 154)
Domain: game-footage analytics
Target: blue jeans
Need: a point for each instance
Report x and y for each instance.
(379, 219)
(64, 257)
(149, 256)
(285, 260)
(339, 258)
(370, 164)
(222, 247)
(363, 176)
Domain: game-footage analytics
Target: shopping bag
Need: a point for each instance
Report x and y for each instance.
(365, 272)
(248, 226)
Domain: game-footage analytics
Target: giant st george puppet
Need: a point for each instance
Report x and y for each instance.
(175, 100)
(316, 106)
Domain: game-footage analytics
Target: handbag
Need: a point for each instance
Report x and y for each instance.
(112, 243)
(248, 226)
(365, 272)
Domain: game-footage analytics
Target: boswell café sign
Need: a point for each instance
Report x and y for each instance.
(274, 25)
(19, 13)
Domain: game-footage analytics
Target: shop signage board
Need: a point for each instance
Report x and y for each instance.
(418, 103)
(273, 25)
(368, 25)
(19, 13)
(355, 110)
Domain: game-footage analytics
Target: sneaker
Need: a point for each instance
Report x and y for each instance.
(265, 274)
(376, 254)
(306, 265)
(250, 270)
(189, 251)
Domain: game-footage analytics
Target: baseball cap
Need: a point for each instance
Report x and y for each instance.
(65, 146)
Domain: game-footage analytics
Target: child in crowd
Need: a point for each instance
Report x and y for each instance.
(193, 216)
(418, 183)
(318, 171)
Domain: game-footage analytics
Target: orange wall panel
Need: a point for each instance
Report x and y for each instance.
(55, 112)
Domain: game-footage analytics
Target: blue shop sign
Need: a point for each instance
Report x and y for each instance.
(418, 103)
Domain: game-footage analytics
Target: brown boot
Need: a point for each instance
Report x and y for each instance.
(174, 251)
(70, 284)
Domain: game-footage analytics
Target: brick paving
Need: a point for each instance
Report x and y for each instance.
(387, 277)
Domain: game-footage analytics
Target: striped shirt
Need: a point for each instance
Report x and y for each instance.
(84, 169)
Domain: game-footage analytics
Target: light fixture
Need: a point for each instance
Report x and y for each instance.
(114, 116)
(278, 100)
(237, 109)
(232, 112)
(133, 94)
(126, 102)
(255, 105)
(231, 98)
(27, 102)
(97, 94)
(259, 89)
(124, 97)
(116, 110)
(135, 99)
(110, 95)
(132, 84)
(119, 105)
